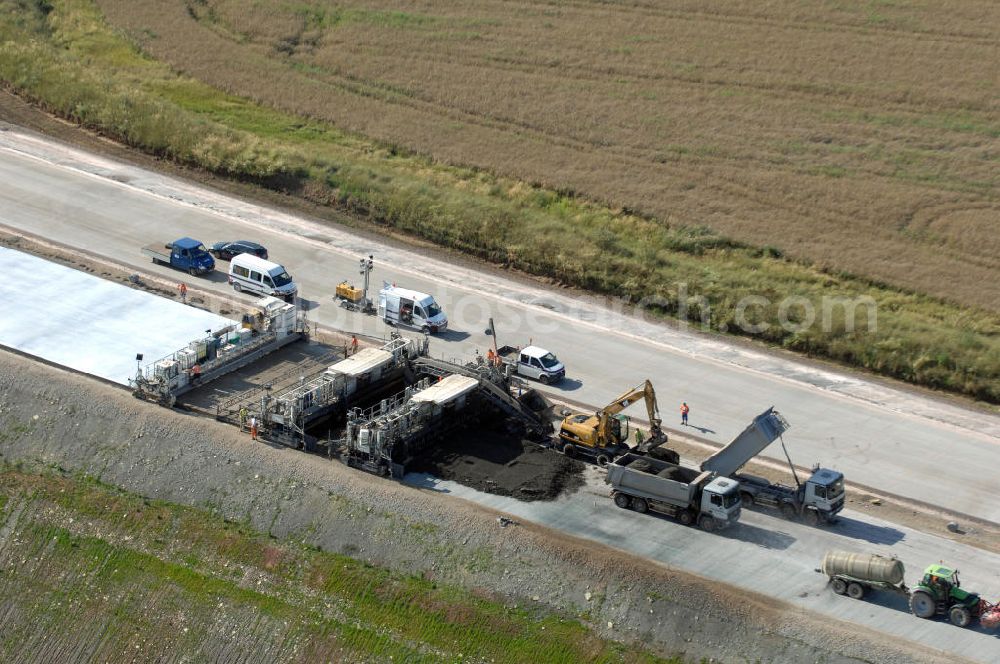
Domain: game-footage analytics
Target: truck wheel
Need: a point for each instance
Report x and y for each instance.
(746, 498)
(707, 523)
(855, 590)
(811, 517)
(922, 604)
(640, 505)
(193, 271)
(960, 616)
(686, 517)
(237, 287)
(622, 500)
(543, 379)
(788, 511)
(839, 586)
(602, 460)
(569, 450)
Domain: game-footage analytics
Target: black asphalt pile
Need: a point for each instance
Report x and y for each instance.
(499, 463)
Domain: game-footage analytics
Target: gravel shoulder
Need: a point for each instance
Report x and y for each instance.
(59, 419)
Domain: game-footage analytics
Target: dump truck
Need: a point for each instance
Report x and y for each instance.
(818, 500)
(938, 592)
(183, 254)
(645, 483)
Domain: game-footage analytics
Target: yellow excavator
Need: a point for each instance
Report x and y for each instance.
(604, 435)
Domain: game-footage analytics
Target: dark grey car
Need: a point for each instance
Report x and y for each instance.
(226, 250)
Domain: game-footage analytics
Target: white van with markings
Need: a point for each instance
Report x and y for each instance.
(402, 306)
(256, 275)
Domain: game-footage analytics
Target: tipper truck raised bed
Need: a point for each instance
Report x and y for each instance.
(645, 483)
(937, 593)
(183, 254)
(817, 500)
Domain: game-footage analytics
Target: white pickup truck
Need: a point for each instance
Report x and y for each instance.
(533, 362)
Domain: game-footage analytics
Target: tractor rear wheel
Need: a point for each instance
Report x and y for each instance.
(839, 586)
(622, 500)
(855, 590)
(569, 450)
(960, 616)
(922, 604)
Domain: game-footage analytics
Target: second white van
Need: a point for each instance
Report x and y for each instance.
(401, 306)
(256, 275)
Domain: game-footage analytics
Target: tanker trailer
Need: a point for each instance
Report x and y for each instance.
(854, 574)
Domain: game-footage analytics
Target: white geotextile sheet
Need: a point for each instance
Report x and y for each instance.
(87, 323)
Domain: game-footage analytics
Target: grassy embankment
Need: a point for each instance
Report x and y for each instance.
(89, 569)
(63, 56)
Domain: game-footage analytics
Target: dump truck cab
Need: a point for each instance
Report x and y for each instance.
(720, 499)
(824, 491)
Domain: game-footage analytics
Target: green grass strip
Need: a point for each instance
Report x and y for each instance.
(124, 570)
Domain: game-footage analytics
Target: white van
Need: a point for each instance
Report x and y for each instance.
(256, 275)
(401, 306)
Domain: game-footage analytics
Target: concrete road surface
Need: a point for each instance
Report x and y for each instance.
(774, 557)
(879, 436)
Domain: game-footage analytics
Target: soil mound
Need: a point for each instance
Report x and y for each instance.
(499, 463)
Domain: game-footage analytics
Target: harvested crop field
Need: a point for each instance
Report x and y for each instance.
(497, 463)
(272, 126)
(861, 137)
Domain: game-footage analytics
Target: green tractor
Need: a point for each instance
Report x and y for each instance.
(939, 594)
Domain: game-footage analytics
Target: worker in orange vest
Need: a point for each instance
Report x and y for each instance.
(195, 373)
(684, 413)
(182, 287)
(354, 344)
(491, 357)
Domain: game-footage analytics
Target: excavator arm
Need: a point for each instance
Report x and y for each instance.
(645, 392)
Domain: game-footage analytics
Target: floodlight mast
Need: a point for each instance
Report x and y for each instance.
(366, 265)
